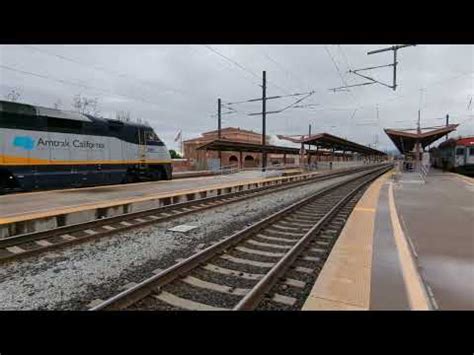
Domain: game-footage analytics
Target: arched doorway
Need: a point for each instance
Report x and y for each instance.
(249, 161)
(233, 160)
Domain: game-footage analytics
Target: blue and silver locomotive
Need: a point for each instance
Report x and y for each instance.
(42, 148)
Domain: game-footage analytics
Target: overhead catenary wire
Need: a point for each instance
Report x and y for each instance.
(234, 62)
(104, 70)
(67, 82)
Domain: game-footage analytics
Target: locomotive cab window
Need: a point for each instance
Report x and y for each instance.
(152, 137)
(471, 151)
(61, 125)
(459, 151)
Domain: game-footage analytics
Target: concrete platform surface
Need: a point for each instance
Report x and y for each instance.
(438, 217)
(408, 245)
(21, 204)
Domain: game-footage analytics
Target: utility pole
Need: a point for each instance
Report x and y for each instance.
(372, 80)
(309, 146)
(395, 49)
(418, 131)
(447, 124)
(264, 128)
(219, 128)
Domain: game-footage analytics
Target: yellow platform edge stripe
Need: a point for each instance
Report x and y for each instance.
(344, 282)
(117, 202)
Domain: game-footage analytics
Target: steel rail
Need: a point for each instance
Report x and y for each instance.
(141, 290)
(253, 298)
(237, 196)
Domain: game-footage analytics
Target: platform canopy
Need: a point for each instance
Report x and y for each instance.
(405, 139)
(325, 140)
(234, 146)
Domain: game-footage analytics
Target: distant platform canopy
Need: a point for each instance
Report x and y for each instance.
(328, 141)
(406, 139)
(234, 146)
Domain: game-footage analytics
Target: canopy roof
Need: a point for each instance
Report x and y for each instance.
(325, 140)
(234, 146)
(406, 139)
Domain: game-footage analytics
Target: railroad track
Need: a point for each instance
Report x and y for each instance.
(268, 265)
(14, 248)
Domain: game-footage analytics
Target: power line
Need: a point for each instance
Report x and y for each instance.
(242, 67)
(283, 68)
(66, 82)
(100, 68)
(340, 74)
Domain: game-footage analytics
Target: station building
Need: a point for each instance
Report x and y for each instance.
(200, 159)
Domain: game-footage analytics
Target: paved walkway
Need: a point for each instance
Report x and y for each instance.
(409, 244)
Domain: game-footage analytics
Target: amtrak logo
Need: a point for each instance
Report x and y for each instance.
(24, 142)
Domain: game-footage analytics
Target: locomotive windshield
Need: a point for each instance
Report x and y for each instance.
(152, 137)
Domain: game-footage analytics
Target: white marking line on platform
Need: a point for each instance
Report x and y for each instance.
(246, 261)
(184, 303)
(110, 228)
(43, 243)
(295, 283)
(267, 245)
(259, 252)
(289, 301)
(417, 294)
(15, 250)
(68, 237)
(194, 281)
(286, 240)
(230, 272)
(126, 224)
(90, 231)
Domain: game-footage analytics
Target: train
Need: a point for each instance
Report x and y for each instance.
(455, 154)
(45, 148)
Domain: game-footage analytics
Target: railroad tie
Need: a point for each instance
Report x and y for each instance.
(246, 261)
(184, 303)
(230, 272)
(43, 243)
(259, 252)
(289, 301)
(194, 281)
(268, 245)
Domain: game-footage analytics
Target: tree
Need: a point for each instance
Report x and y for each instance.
(86, 105)
(174, 154)
(13, 95)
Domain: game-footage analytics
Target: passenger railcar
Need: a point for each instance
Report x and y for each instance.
(455, 155)
(43, 148)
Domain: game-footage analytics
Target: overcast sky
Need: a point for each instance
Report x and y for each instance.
(176, 86)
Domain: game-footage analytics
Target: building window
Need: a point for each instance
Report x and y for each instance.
(233, 159)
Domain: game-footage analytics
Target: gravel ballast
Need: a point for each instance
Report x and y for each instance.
(70, 278)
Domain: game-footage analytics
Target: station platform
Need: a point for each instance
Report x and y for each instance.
(408, 245)
(37, 211)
